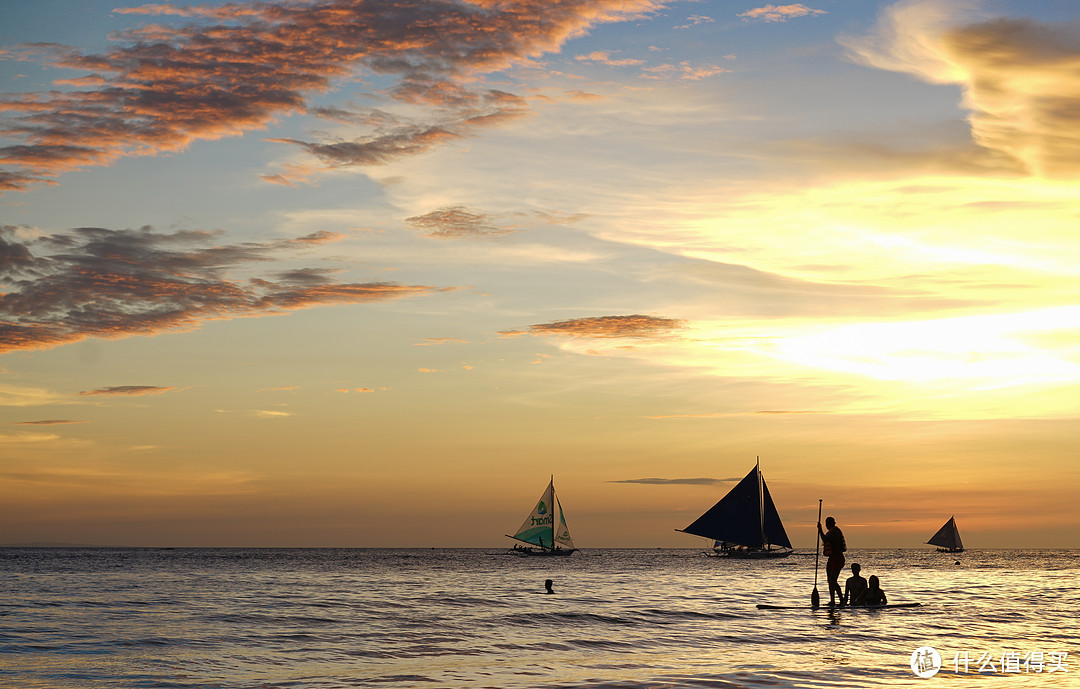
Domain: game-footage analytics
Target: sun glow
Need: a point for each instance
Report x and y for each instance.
(989, 351)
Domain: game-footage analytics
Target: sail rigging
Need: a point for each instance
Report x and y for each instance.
(745, 517)
(947, 537)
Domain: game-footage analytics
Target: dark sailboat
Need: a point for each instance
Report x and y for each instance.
(745, 522)
(947, 538)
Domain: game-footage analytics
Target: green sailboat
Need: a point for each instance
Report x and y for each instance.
(544, 531)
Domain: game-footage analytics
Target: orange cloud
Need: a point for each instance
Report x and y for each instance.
(605, 327)
(780, 13)
(96, 282)
(237, 67)
(684, 71)
(603, 57)
(456, 222)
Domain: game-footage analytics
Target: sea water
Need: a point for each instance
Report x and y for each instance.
(327, 618)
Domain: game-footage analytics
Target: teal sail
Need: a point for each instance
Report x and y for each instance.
(545, 526)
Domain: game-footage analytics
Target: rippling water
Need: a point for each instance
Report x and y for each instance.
(321, 618)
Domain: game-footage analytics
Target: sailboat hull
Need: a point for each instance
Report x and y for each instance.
(542, 552)
(947, 538)
(744, 524)
(544, 532)
(749, 554)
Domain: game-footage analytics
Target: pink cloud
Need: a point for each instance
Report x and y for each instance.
(780, 13)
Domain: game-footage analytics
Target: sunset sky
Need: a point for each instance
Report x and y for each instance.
(353, 273)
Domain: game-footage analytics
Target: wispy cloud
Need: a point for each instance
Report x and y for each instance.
(1019, 76)
(270, 413)
(605, 327)
(684, 71)
(27, 438)
(14, 396)
(695, 20)
(604, 57)
(439, 341)
(94, 282)
(457, 222)
(237, 67)
(46, 422)
(128, 390)
(722, 415)
(780, 13)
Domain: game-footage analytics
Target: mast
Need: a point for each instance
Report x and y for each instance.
(554, 508)
(761, 503)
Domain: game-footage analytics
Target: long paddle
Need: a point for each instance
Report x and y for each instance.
(815, 597)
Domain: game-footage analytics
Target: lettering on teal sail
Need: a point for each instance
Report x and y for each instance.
(539, 521)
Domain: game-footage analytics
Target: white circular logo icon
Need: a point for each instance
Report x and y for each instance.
(925, 661)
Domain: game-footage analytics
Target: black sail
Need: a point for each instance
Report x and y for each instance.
(947, 536)
(746, 516)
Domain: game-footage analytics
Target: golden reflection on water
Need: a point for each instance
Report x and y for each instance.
(628, 619)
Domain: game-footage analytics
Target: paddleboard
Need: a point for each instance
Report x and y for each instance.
(764, 606)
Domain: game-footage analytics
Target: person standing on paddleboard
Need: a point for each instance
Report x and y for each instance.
(833, 547)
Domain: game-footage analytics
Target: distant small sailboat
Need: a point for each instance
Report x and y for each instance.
(544, 530)
(947, 538)
(745, 523)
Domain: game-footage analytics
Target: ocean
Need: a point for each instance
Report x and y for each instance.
(97, 618)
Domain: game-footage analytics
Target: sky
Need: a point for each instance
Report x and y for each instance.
(367, 274)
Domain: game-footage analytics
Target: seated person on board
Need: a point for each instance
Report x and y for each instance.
(855, 588)
(874, 594)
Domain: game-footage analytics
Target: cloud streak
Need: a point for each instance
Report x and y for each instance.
(94, 282)
(457, 222)
(128, 391)
(240, 66)
(47, 422)
(780, 13)
(633, 326)
(677, 481)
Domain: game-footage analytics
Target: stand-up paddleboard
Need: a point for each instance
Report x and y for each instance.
(765, 606)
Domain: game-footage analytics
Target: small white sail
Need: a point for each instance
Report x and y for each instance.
(562, 534)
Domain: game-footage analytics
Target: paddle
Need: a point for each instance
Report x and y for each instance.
(815, 597)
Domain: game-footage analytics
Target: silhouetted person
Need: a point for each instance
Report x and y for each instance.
(547, 586)
(833, 547)
(874, 594)
(855, 587)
